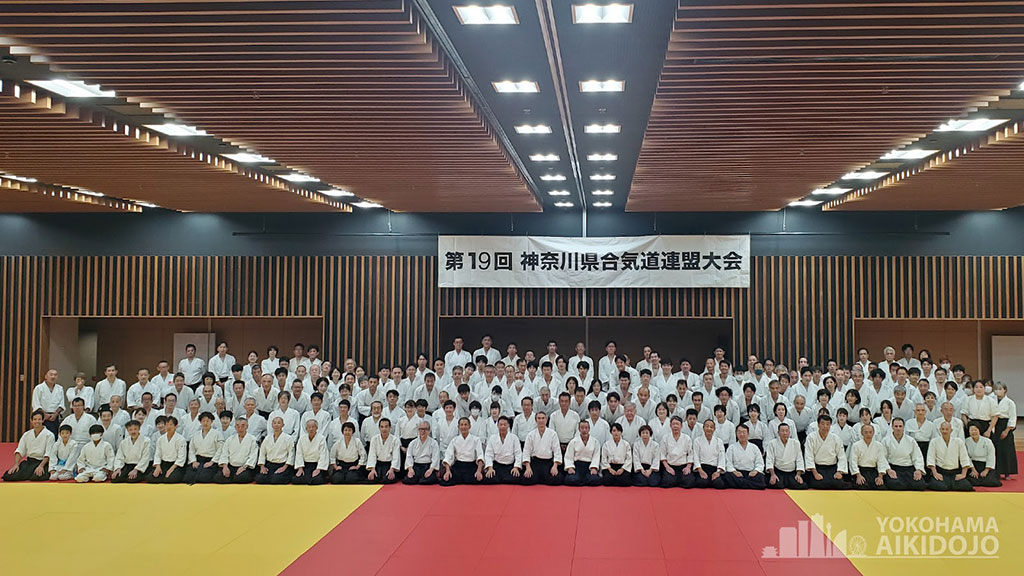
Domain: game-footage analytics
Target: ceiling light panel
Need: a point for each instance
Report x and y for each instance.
(365, 204)
(564, 204)
(602, 177)
(533, 129)
(602, 85)
(602, 192)
(296, 177)
(602, 157)
(865, 175)
(483, 15)
(602, 204)
(552, 178)
(805, 203)
(558, 193)
(172, 129)
(544, 157)
(909, 154)
(18, 178)
(602, 13)
(336, 193)
(833, 191)
(510, 87)
(248, 158)
(971, 125)
(602, 128)
(73, 88)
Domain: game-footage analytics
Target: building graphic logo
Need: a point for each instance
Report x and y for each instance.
(909, 537)
(807, 540)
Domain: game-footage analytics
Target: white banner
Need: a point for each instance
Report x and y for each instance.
(626, 262)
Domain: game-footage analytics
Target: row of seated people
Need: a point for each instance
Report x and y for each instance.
(678, 460)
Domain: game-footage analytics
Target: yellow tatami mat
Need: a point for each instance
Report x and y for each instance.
(94, 529)
(922, 534)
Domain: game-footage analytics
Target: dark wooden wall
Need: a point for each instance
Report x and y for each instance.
(384, 309)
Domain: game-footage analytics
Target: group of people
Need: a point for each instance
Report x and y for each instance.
(906, 423)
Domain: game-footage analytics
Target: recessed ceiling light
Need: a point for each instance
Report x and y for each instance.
(552, 178)
(365, 204)
(969, 125)
(866, 175)
(602, 85)
(98, 194)
(909, 154)
(834, 191)
(146, 204)
(602, 13)
(602, 157)
(296, 177)
(544, 157)
(602, 176)
(602, 192)
(534, 129)
(602, 128)
(564, 204)
(336, 193)
(602, 204)
(248, 158)
(558, 193)
(172, 129)
(510, 87)
(19, 178)
(497, 14)
(73, 88)
(805, 203)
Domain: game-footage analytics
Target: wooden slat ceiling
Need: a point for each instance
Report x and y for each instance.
(353, 92)
(985, 175)
(760, 102)
(17, 196)
(60, 143)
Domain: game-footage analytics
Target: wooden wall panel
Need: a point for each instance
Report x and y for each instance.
(385, 309)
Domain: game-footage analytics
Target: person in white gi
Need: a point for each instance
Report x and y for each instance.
(277, 452)
(617, 456)
(503, 456)
(868, 465)
(422, 457)
(95, 458)
(464, 459)
(311, 458)
(131, 463)
(744, 464)
(31, 457)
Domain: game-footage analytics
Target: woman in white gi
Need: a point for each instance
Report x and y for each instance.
(617, 458)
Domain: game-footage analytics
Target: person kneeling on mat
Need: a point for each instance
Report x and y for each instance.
(708, 458)
(238, 456)
(617, 458)
(423, 457)
(464, 459)
(503, 456)
(311, 457)
(825, 458)
(949, 462)
(542, 454)
(868, 464)
(982, 452)
(906, 462)
(744, 465)
(583, 458)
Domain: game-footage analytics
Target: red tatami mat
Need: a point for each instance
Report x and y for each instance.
(497, 530)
